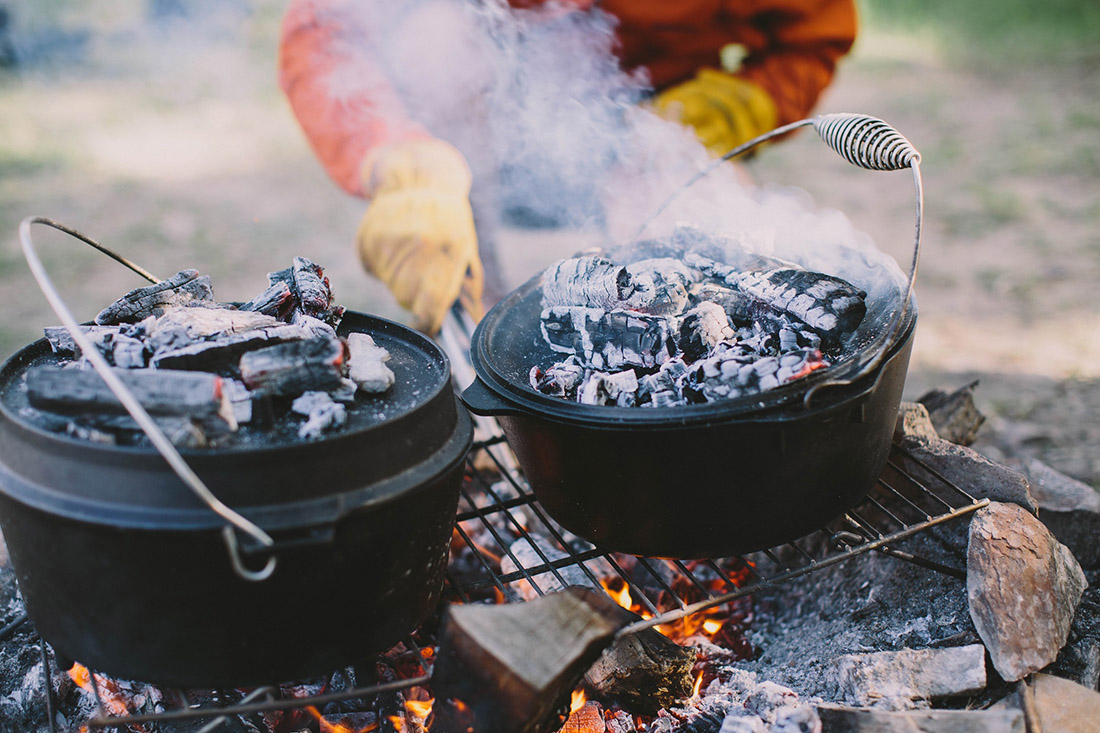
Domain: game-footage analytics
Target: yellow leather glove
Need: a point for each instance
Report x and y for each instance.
(418, 234)
(724, 110)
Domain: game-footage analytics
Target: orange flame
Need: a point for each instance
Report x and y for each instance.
(620, 595)
(108, 695)
(419, 709)
(698, 685)
(327, 727)
(578, 701)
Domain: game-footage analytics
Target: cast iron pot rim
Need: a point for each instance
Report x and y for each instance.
(290, 515)
(204, 454)
(784, 403)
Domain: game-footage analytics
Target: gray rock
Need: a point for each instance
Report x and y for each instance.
(967, 469)
(1059, 705)
(740, 722)
(894, 680)
(1023, 587)
(955, 416)
(838, 719)
(1069, 508)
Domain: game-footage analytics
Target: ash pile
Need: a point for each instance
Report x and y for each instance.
(704, 322)
(206, 370)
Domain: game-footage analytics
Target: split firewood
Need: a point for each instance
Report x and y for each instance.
(367, 364)
(646, 671)
(295, 367)
(160, 392)
(186, 286)
(515, 665)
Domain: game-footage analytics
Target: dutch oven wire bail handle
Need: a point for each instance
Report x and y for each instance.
(159, 440)
(866, 142)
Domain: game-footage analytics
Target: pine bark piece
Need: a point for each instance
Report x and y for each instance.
(1023, 588)
(160, 392)
(295, 367)
(186, 286)
(515, 665)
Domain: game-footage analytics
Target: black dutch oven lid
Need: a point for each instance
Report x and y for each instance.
(508, 343)
(385, 436)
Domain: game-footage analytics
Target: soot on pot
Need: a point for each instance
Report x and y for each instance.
(692, 324)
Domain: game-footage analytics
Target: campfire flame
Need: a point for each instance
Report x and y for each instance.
(108, 693)
(578, 701)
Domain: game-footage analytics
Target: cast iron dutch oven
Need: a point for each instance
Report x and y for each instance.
(721, 478)
(123, 569)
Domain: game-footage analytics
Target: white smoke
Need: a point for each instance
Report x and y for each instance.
(557, 131)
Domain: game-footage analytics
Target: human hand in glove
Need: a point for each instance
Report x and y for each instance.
(418, 234)
(724, 110)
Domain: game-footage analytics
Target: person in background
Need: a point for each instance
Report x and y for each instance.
(729, 69)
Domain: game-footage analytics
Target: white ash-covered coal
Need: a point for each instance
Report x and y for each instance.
(689, 328)
(212, 373)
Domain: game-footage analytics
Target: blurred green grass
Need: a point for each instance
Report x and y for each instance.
(1000, 36)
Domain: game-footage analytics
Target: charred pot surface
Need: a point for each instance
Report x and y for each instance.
(665, 332)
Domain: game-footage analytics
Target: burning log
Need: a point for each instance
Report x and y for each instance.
(295, 367)
(367, 364)
(656, 286)
(645, 671)
(610, 339)
(309, 286)
(516, 665)
(160, 391)
(277, 301)
(186, 286)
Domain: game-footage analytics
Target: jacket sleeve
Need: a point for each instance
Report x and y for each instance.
(804, 41)
(337, 89)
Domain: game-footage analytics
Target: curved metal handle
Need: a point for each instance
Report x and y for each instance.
(133, 406)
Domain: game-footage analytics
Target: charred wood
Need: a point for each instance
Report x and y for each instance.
(645, 671)
(222, 353)
(160, 391)
(656, 286)
(180, 327)
(610, 339)
(186, 286)
(277, 301)
(295, 367)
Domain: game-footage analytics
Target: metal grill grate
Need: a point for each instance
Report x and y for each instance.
(497, 511)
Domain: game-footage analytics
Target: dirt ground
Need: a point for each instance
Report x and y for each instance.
(181, 159)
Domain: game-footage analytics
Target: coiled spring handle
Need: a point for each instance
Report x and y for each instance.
(863, 141)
